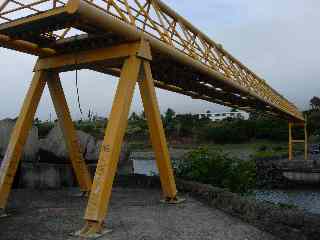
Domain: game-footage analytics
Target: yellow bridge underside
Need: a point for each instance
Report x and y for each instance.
(185, 60)
(142, 42)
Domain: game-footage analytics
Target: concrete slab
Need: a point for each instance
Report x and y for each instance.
(135, 214)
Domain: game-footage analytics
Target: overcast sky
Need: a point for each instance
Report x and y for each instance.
(277, 39)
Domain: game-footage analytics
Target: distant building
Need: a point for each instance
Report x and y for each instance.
(224, 115)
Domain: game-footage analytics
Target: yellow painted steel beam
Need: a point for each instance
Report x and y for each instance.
(135, 68)
(69, 133)
(110, 149)
(151, 109)
(290, 141)
(305, 140)
(96, 16)
(169, 34)
(24, 46)
(19, 136)
(75, 60)
(33, 18)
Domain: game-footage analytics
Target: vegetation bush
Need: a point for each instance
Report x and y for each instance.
(229, 131)
(218, 169)
(43, 128)
(91, 127)
(270, 154)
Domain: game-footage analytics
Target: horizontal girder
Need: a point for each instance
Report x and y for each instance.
(216, 74)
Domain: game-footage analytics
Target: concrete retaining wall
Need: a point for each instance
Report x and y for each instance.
(286, 174)
(46, 176)
(53, 176)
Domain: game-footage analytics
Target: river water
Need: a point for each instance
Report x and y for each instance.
(308, 200)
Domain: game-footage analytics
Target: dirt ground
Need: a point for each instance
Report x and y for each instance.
(134, 214)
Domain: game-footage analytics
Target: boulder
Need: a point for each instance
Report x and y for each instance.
(31, 149)
(93, 151)
(53, 148)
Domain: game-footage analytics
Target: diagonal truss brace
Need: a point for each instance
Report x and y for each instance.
(69, 133)
(23, 125)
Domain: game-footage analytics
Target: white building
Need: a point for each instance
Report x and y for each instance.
(223, 115)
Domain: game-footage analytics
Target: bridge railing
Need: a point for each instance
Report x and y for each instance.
(158, 20)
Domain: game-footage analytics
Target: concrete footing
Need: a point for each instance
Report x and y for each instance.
(3, 213)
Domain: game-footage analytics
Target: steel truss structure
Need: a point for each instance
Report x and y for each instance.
(140, 41)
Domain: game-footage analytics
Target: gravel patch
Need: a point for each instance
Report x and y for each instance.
(134, 214)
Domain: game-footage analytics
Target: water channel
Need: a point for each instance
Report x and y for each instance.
(308, 200)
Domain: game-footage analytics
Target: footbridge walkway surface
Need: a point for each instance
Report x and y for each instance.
(135, 214)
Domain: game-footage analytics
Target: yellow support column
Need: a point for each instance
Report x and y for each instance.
(110, 150)
(149, 99)
(19, 136)
(69, 133)
(305, 141)
(290, 141)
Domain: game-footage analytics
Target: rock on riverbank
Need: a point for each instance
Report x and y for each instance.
(31, 149)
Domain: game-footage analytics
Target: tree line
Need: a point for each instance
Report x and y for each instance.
(194, 129)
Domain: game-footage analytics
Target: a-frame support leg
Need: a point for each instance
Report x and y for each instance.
(19, 136)
(23, 125)
(290, 142)
(69, 133)
(306, 155)
(110, 149)
(135, 68)
(159, 143)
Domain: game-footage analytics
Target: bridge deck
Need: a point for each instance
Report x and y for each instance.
(184, 59)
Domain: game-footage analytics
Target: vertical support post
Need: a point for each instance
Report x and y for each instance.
(19, 136)
(305, 140)
(69, 133)
(149, 99)
(290, 141)
(110, 149)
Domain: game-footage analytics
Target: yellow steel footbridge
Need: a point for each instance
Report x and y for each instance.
(143, 42)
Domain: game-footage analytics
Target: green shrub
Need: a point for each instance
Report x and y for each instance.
(91, 128)
(270, 154)
(44, 128)
(218, 169)
(262, 148)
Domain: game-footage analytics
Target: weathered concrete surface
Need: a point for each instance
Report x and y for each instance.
(284, 174)
(30, 151)
(57, 176)
(135, 214)
(46, 176)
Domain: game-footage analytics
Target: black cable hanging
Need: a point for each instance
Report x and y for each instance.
(77, 86)
(78, 95)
